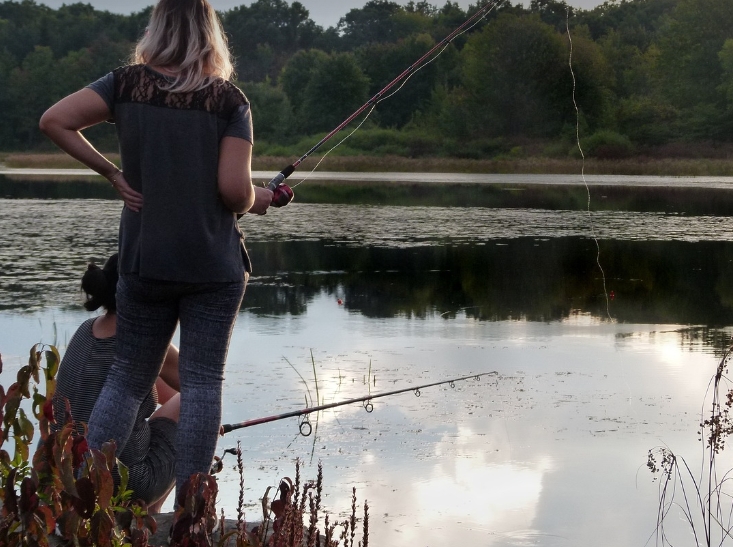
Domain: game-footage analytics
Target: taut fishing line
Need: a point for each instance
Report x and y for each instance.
(582, 167)
(407, 79)
(283, 194)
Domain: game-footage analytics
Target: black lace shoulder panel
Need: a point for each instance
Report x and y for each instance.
(137, 84)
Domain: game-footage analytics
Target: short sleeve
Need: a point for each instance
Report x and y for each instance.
(105, 88)
(240, 124)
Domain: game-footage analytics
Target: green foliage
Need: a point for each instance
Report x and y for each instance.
(271, 111)
(689, 47)
(516, 78)
(658, 71)
(607, 145)
(335, 89)
(374, 23)
(725, 55)
(647, 120)
(382, 63)
(296, 74)
(264, 34)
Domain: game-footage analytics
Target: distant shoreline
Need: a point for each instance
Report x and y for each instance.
(644, 166)
(362, 179)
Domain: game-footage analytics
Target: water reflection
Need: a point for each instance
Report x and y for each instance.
(491, 264)
(547, 452)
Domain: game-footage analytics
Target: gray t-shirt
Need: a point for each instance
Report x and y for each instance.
(169, 145)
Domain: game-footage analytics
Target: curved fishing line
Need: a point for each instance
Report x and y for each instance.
(589, 214)
(335, 146)
(402, 84)
(464, 31)
(582, 167)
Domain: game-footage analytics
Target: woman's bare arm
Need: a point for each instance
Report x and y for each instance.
(63, 122)
(235, 178)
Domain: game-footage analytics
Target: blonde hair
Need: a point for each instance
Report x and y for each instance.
(187, 38)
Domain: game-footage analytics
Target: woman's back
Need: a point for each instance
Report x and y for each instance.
(169, 143)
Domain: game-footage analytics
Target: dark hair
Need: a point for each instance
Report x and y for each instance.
(100, 285)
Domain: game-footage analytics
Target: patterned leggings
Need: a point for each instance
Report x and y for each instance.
(148, 312)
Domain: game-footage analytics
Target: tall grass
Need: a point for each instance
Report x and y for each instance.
(702, 498)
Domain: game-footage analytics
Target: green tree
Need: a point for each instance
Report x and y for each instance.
(7, 138)
(31, 90)
(335, 89)
(690, 65)
(272, 113)
(265, 34)
(382, 63)
(515, 79)
(28, 27)
(552, 12)
(374, 23)
(638, 22)
(297, 73)
(726, 62)
(594, 80)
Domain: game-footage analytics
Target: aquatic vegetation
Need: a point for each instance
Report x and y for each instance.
(68, 490)
(702, 498)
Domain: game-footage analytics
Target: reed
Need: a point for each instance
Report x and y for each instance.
(701, 498)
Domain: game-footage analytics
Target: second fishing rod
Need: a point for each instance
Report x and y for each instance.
(283, 194)
(305, 428)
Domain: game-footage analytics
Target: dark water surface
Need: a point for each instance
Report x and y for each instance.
(592, 369)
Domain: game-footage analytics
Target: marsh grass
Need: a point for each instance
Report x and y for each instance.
(637, 165)
(702, 498)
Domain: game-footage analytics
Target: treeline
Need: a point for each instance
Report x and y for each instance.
(646, 74)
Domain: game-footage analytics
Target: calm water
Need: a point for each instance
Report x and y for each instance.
(550, 450)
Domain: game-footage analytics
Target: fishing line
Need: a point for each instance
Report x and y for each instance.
(582, 167)
(283, 194)
(590, 216)
(336, 146)
(407, 79)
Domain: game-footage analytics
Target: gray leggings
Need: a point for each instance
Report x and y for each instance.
(148, 312)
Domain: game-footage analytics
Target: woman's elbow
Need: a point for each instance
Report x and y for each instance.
(239, 201)
(50, 123)
(46, 123)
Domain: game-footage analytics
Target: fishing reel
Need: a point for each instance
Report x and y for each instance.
(282, 194)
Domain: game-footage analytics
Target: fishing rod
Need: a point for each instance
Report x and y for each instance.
(305, 426)
(282, 193)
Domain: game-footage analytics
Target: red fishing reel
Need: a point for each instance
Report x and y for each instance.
(282, 195)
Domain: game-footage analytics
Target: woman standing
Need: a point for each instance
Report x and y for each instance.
(185, 137)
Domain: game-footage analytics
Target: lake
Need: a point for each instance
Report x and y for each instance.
(590, 367)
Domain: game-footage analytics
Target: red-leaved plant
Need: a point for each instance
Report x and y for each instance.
(66, 489)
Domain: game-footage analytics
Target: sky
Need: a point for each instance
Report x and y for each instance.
(324, 12)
